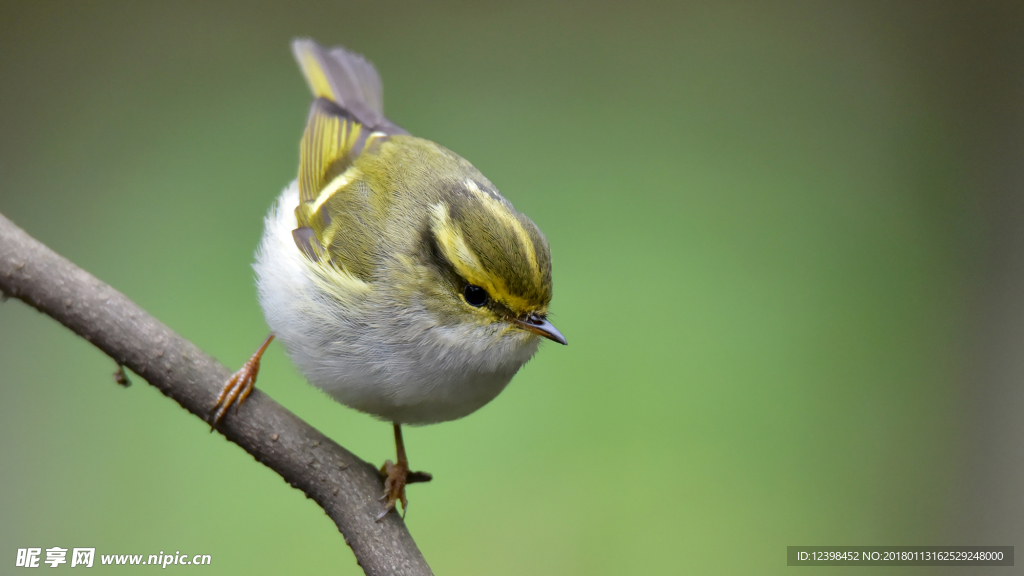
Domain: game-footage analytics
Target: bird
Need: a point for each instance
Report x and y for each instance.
(398, 278)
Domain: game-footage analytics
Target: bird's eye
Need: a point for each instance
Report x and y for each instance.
(475, 295)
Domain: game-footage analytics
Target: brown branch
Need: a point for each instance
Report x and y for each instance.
(346, 487)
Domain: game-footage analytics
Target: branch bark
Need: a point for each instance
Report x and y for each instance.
(343, 485)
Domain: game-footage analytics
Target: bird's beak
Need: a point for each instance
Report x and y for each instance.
(537, 325)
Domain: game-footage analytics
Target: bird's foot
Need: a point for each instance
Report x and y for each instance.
(396, 477)
(239, 386)
(235, 391)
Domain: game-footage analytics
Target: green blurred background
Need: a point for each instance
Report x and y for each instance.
(787, 240)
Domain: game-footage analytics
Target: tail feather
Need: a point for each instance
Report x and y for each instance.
(345, 78)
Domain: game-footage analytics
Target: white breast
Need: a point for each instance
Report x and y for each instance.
(395, 363)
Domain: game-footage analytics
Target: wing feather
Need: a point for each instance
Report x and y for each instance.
(329, 144)
(337, 230)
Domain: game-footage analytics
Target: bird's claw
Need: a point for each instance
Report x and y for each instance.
(396, 478)
(235, 391)
(239, 386)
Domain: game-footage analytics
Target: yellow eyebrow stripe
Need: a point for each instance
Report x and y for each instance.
(501, 212)
(465, 261)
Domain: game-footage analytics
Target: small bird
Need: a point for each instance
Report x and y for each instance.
(398, 278)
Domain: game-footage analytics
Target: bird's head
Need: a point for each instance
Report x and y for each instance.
(490, 264)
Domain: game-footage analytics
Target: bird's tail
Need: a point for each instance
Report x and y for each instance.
(345, 78)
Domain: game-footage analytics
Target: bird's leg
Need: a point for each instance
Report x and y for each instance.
(396, 476)
(239, 386)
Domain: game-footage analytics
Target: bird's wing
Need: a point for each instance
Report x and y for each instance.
(338, 224)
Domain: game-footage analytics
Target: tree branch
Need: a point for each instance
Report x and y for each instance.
(343, 485)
